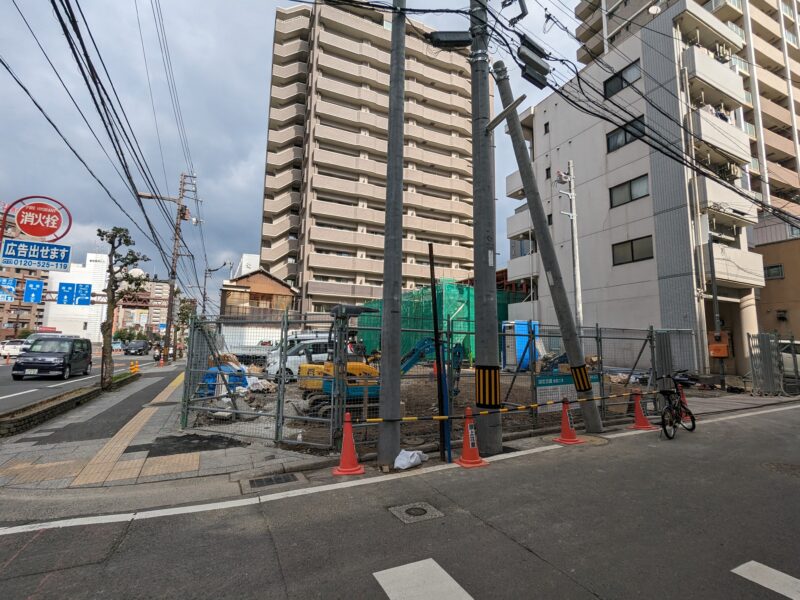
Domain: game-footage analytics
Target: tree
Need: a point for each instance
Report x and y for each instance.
(120, 285)
(24, 333)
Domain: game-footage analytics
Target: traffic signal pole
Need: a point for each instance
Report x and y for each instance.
(558, 292)
(487, 364)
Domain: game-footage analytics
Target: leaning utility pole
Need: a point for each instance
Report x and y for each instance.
(187, 181)
(558, 293)
(487, 367)
(389, 438)
(206, 275)
(576, 261)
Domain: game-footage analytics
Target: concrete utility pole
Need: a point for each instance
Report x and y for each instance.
(569, 334)
(389, 438)
(576, 261)
(181, 215)
(487, 367)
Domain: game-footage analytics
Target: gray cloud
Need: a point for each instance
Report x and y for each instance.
(221, 55)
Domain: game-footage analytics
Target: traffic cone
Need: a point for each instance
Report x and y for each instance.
(640, 422)
(684, 404)
(161, 362)
(348, 463)
(470, 458)
(568, 435)
(131, 368)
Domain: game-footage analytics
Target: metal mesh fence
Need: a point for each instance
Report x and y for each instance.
(277, 379)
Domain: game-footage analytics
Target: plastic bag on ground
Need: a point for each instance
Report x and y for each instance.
(409, 458)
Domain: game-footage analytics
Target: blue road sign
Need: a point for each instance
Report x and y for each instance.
(162, 326)
(66, 293)
(33, 291)
(8, 289)
(35, 255)
(83, 294)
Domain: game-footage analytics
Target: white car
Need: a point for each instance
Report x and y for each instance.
(787, 357)
(274, 350)
(11, 348)
(296, 356)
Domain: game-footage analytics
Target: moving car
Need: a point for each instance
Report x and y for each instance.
(56, 356)
(117, 345)
(11, 348)
(28, 341)
(137, 347)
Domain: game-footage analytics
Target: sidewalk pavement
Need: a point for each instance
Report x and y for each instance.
(145, 444)
(148, 447)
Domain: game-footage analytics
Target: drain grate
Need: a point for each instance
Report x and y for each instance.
(413, 513)
(272, 480)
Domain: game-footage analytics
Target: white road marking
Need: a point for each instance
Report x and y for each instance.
(423, 580)
(19, 393)
(319, 489)
(769, 578)
(72, 381)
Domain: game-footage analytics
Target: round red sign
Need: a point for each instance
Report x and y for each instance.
(39, 219)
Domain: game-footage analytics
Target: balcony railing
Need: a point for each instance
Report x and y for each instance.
(715, 4)
(736, 28)
(748, 96)
(741, 64)
(755, 167)
(791, 37)
(750, 129)
(787, 10)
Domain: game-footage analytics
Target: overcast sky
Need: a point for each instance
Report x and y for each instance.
(221, 56)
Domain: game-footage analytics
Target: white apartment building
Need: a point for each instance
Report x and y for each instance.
(645, 220)
(325, 185)
(84, 321)
(247, 264)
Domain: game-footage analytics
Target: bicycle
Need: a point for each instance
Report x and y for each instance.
(674, 411)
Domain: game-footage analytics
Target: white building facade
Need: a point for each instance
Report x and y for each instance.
(645, 220)
(83, 321)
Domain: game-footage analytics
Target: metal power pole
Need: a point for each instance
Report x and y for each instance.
(181, 215)
(487, 367)
(569, 334)
(715, 302)
(389, 438)
(206, 275)
(576, 261)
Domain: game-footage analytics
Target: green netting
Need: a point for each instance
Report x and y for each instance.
(456, 303)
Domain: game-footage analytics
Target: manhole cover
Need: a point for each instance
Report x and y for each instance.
(413, 513)
(272, 480)
(784, 468)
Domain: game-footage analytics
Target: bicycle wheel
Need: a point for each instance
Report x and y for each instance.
(687, 425)
(668, 421)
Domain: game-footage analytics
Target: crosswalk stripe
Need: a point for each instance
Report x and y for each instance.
(423, 580)
(770, 578)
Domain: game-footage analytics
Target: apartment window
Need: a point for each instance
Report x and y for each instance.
(773, 272)
(547, 127)
(629, 191)
(547, 173)
(794, 232)
(618, 82)
(632, 250)
(626, 134)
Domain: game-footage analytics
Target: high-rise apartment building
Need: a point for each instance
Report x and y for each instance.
(700, 80)
(325, 186)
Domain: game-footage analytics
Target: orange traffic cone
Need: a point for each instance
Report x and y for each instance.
(348, 464)
(684, 404)
(469, 450)
(640, 422)
(131, 368)
(568, 435)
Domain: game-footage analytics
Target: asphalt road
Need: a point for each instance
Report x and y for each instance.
(633, 517)
(17, 394)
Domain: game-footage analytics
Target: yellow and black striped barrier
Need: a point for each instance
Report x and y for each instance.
(515, 409)
(487, 386)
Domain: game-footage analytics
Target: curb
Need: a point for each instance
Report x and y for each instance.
(22, 419)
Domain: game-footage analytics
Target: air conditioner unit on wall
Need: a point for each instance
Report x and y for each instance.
(730, 171)
(722, 53)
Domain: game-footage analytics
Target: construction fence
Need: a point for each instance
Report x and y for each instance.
(291, 380)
